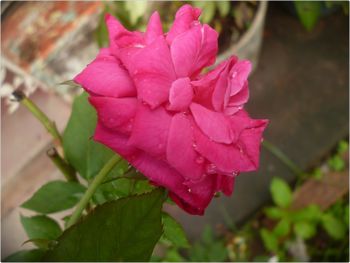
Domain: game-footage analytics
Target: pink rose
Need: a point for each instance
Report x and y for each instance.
(184, 131)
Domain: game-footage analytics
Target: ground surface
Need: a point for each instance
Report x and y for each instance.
(301, 86)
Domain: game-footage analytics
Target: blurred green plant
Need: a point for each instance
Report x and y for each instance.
(309, 12)
(291, 224)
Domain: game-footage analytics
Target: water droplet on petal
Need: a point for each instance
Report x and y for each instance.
(234, 74)
(194, 145)
(234, 173)
(189, 190)
(199, 160)
(211, 168)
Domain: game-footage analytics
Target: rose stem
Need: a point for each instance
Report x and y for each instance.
(49, 125)
(62, 165)
(41, 116)
(282, 157)
(92, 188)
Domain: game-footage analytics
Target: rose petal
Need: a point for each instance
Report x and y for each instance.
(119, 37)
(150, 130)
(180, 152)
(213, 124)
(116, 141)
(184, 18)
(193, 50)
(243, 156)
(239, 74)
(225, 184)
(115, 113)
(154, 28)
(180, 95)
(104, 76)
(152, 71)
(196, 197)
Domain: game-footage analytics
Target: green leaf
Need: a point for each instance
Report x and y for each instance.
(42, 243)
(207, 235)
(34, 255)
(317, 174)
(55, 196)
(41, 227)
(224, 7)
(174, 232)
(274, 212)
(282, 228)
(333, 226)
(346, 215)
(308, 12)
(281, 192)
(336, 163)
(173, 255)
(123, 230)
(343, 146)
(305, 229)
(217, 252)
(82, 152)
(269, 239)
(309, 213)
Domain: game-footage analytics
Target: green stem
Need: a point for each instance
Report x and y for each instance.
(282, 157)
(92, 188)
(67, 170)
(41, 116)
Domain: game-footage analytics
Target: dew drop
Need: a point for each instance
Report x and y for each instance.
(189, 190)
(194, 145)
(234, 74)
(234, 173)
(211, 168)
(199, 160)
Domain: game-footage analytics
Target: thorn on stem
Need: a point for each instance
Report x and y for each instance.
(18, 95)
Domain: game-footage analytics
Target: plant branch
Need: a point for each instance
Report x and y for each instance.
(282, 157)
(67, 170)
(92, 188)
(41, 116)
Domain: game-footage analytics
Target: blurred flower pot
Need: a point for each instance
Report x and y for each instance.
(248, 47)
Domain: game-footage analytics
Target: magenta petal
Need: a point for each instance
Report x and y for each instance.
(152, 71)
(213, 124)
(180, 151)
(241, 97)
(104, 76)
(119, 37)
(116, 141)
(196, 197)
(239, 75)
(180, 95)
(193, 199)
(251, 140)
(150, 130)
(115, 113)
(193, 50)
(225, 184)
(154, 28)
(184, 18)
(239, 157)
